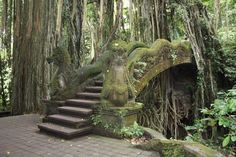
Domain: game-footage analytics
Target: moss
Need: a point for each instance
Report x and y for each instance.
(119, 45)
(182, 43)
(81, 75)
(134, 45)
(160, 56)
(176, 148)
(156, 49)
(61, 59)
(137, 52)
(165, 148)
(130, 106)
(119, 116)
(201, 150)
(115, 87)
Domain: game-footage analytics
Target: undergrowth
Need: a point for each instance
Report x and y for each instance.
(217, 128)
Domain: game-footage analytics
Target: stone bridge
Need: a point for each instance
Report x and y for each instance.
(146, 63)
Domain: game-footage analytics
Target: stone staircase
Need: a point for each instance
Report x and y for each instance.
(73, 117)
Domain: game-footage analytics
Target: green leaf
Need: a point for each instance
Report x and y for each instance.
(226, 141)
(224, 121)
(233, 138)
(232, 105)
(205, 111)
(190, 128)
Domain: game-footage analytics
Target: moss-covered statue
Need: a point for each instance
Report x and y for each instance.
(116, 87)
(63, 73)
(117, 90)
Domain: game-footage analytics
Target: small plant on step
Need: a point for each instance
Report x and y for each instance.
(132, 131)
(96, 119)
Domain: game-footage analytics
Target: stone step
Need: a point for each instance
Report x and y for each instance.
(67, 120)
(87, 95)
(98, 82)
(81, 103)
(94, 89)
(62, 131)
(78, 111)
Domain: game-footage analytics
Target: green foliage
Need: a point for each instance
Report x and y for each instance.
(220, 118)
(122, 113)
(229, 49)
(128, 132)
(132, 131)
(96, 119)
(5, 83)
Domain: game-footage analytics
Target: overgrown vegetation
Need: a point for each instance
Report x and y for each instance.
(229, 49)
(218, 127)
(132, 131)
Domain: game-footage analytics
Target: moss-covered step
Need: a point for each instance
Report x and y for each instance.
(176, 148)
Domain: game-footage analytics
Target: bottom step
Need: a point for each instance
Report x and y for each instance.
(62, 131)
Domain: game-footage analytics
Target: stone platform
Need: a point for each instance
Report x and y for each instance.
(20, 137)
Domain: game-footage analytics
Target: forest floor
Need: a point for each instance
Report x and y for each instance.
(20, 137)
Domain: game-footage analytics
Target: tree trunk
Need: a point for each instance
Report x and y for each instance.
(59, 18)
(113, 29)
(74, 30)
(217, 16)
(106, 25)
(33, 42)
(201, 36)
(149, 21)
(162, 30)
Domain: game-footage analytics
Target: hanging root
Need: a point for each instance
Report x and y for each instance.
(163, 111)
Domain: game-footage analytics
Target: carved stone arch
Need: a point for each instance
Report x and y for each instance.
(161, 56)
